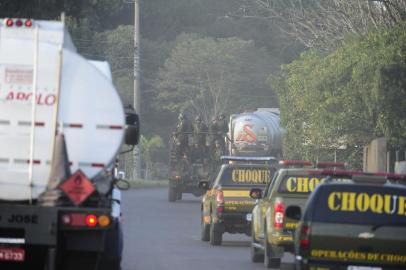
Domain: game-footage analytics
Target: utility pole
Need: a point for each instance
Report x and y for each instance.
(137, 94)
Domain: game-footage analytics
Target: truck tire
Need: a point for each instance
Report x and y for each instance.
(216, 236)
(269, 260)
(113, 265)
(257, 255)
(79, 261)
(172, 194)
(205, 230)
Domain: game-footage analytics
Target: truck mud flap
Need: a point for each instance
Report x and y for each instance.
(28, 225)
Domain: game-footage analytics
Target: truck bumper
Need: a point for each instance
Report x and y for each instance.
(235, 223)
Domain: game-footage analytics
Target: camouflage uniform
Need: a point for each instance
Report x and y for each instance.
(223, 130)
(182, 130)
(199, 136)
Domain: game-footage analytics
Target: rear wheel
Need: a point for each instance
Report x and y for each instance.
(179, 195)
(216, 236)
(257, 255)
(205, 230)
(113, 265)
(79, 260)
(172, 194)
(269, 260)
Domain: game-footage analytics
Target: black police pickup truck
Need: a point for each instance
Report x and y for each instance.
(359, 225)
(227, 206)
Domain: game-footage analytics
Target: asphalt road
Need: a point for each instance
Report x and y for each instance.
(159, 235)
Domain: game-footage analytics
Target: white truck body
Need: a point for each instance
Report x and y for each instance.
(90, 113)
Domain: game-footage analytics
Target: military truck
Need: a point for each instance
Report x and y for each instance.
(59, 202)
(186, 170)
(195, 152)
(196, 156)
(357, 225)
(272, 232)
(227, 206)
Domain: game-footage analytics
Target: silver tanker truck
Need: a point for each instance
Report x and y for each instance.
(256, 133)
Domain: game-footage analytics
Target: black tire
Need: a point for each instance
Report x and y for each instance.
(205, 230)
(269, 260)
(257, 255)
(112, 265)
(79, 261)
(179, 196)
(216, 236)
(172, 194)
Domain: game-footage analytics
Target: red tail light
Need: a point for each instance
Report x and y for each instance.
(304, 237)
(219, 197)
(28, 23)
(9, 22)
(19, 23)
(91, 220)
(279, 214)
(220, 201)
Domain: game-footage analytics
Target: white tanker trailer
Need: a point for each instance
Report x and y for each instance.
(47, 88)
(256, 133)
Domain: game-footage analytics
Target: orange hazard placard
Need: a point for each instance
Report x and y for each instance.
(77, 187)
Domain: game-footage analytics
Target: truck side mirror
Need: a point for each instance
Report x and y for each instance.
(132, 127)
(205, 185)
(293, 212)
(256, 193)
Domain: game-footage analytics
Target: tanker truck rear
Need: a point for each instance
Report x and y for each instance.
(51, 219)
(256, 133)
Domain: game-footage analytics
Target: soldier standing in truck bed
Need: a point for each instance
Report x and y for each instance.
(199, 138)
(223, 129)
(213, 132)
(183, 130)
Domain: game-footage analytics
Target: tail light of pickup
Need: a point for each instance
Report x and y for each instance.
(304, 240)
(220, 201)
(279, 214)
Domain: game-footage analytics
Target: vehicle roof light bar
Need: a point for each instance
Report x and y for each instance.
(298, 163)
(243, 158)
(333, 172)
(18, 23)
(331, 164)
(362, 177)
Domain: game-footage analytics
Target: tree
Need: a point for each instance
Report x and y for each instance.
(211, 76)
(325, 23)
(148, 147)
(347, 98)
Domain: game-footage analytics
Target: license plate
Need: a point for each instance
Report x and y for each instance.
(353, 267)
(248, 217)
(12, 254)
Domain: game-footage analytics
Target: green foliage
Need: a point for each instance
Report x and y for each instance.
(345, 99)
(208, 76)
(148, 147)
